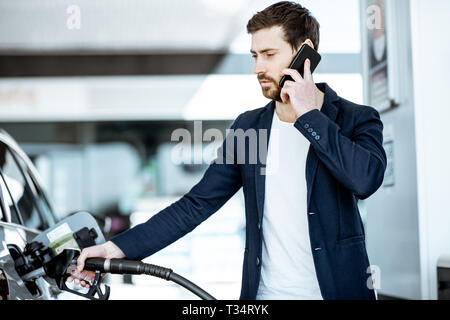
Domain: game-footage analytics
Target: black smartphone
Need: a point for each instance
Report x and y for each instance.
(298, 63)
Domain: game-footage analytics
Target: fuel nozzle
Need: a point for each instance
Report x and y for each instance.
(61, 269)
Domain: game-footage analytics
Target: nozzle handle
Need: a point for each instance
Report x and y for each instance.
(117, 266)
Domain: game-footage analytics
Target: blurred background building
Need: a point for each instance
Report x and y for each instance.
(93, 90)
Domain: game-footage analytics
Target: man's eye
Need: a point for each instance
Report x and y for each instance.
(253, 56)
(270, 54)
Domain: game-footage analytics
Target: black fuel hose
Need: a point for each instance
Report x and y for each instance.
(123, 266)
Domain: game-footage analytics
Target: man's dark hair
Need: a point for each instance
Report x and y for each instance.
(297, 22)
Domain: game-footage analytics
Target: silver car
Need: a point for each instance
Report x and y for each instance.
(24, 212)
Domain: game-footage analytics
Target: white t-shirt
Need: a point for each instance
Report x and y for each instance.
(287, 270)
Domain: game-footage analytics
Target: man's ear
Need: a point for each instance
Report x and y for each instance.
(309, 42)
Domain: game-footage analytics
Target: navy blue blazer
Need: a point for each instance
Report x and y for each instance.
(346, 162)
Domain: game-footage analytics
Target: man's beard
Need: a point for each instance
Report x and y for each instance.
(270, 92)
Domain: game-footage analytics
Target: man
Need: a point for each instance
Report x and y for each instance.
(304, 235)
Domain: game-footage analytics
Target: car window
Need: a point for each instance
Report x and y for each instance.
(8, 206)
(21, 200)
(40, 198)
(2, 205)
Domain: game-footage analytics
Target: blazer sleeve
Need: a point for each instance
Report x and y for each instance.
(357, 162)
(220, 182)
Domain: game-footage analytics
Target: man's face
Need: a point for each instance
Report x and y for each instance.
(272, 54)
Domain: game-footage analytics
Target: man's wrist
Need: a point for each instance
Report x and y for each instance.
(113, 251)
(299, 114)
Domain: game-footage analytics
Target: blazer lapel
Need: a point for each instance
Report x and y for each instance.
(264, 123)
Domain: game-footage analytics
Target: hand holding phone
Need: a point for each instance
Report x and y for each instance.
(298, 63)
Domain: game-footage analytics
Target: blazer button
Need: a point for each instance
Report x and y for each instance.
(310, 130)
(259, 226)
(311, 213)
(317, 249)
(306, 126)
(317, 138)
(257, 261)
(314, 134)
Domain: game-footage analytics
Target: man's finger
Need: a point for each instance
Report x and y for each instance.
(293, 73)
(80, 261)
(307, 70)
(288, 83)
(285, 95)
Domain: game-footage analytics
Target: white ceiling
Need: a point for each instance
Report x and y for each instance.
(158, 25)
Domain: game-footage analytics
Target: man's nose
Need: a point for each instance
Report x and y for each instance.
(259, 68)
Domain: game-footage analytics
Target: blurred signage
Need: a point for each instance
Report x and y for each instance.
(17, 96)
(378, 55)
(40, 100)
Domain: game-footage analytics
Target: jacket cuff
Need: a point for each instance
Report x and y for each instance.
(314, 126)
(126, 242)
